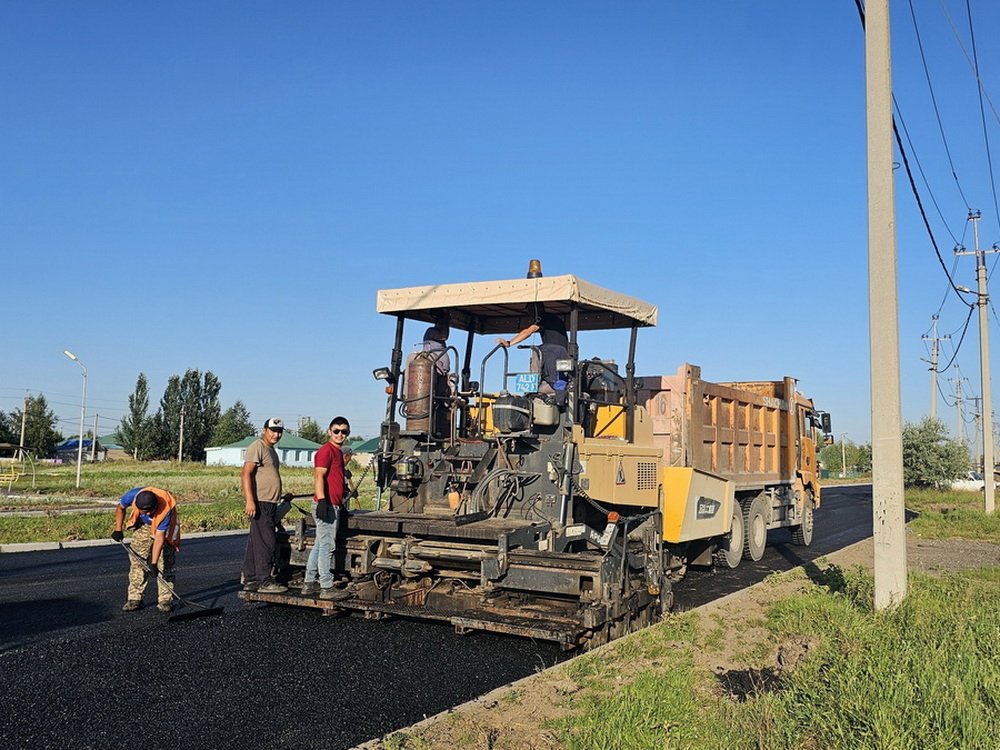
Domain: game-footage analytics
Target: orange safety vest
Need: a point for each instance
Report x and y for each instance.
(165, 505)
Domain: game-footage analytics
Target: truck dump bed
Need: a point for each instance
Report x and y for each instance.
(743, 432)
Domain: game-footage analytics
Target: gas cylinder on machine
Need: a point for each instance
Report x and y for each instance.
(417, 392)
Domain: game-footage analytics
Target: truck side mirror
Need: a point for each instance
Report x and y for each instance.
(825, 419)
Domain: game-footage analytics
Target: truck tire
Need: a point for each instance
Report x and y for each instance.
(803, 533)
(755, 529)
(730, 551)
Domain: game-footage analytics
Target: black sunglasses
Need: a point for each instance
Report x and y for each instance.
(340, 432)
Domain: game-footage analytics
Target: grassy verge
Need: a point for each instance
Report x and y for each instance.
(209, 497)
(925, 675)
(952, 514)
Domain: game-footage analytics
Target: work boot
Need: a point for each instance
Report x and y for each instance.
(334, 594)
(165, 607)
(132, 605)
(272, 588)
(310, 588)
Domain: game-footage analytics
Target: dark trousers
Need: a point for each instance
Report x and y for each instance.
(260, 545)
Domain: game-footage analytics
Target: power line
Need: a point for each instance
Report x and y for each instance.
(937, 113)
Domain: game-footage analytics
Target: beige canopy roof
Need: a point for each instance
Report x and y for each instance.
(502, 306)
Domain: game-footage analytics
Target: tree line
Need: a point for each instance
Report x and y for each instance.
(188, 420)
(191, 400)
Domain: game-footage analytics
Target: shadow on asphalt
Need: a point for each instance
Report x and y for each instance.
(24, 620)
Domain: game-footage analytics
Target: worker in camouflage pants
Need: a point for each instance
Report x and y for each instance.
(155, 542)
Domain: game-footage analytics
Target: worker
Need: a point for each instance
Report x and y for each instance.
(155, 540)
(555, 346)
(329, 502)
(261, 484)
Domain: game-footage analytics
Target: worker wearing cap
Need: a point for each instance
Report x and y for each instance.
(155, 540)
(261, 484)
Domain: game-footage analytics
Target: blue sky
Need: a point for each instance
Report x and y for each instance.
(225, 185)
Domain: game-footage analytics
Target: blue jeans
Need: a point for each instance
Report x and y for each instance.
(322, 551)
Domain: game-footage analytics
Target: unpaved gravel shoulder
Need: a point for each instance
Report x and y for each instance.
(515, 715)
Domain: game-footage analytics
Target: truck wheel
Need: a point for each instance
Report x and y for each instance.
(803, 533)
(756, 529)
(730, 552)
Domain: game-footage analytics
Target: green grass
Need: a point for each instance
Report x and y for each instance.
(951, 514)
(209, 497)
(926, 675)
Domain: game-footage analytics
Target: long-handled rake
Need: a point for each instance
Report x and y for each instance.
(203, 611)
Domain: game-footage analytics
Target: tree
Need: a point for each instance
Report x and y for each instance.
(197, 397)
(310, 430)
(930, 457)
(136, 429)
(7, 433)
(233, 425)
(40, 434)
(855, 458)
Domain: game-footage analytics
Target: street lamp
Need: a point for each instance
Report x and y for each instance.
(83, 413)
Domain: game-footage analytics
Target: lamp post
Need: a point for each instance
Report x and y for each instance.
(83, 413)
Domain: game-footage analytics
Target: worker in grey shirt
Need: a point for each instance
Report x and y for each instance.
(261, 484)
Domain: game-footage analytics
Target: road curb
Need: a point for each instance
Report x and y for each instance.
(48, 546)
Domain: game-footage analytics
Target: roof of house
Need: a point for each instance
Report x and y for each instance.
(74, 444)
(288, 442)
(368, 446)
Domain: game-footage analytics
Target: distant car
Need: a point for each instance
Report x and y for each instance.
(973, 482)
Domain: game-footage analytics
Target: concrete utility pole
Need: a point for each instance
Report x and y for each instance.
(977, 425)
(982, 301)
(24, 424)
(959, 422)
(180, 443)
(93, 440)
(887, 438)
(935, 350)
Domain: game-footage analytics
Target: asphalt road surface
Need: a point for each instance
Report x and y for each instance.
(77, 672)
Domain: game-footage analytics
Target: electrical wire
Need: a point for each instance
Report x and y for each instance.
(937, 112)
(961, 338)
(982, 110)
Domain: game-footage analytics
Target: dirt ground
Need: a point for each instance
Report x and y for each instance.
(513, 716)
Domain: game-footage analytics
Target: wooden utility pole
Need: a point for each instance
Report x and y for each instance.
(887, 441)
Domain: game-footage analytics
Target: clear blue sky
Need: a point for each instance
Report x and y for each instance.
(225, 185)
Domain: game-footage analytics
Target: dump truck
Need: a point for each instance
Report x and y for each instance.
(561, 513)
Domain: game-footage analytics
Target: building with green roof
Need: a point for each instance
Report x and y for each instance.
(292, 451)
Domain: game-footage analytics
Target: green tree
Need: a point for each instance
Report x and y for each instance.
(233, 425)
(7, 432)
(197, 397)
(40, 434)
(930, 457)
(864, 458)
(310, 430)
(846, 457)
(136, 428)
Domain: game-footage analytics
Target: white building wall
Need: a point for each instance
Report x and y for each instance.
(235, 456)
